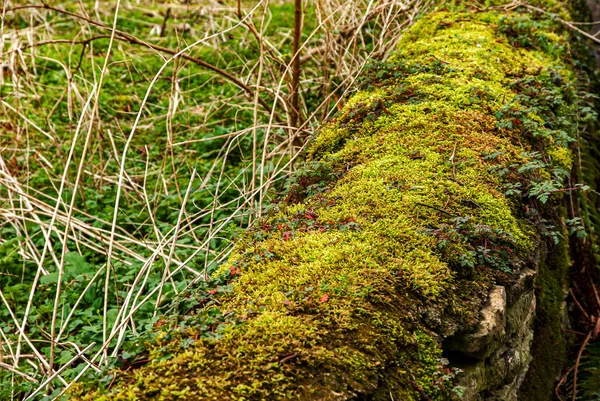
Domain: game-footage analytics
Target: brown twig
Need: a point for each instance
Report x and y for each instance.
(239, 9)
(85, 45)
(587, 317)
(294, 102)
(163, 27)
(585, 342)
(444, 62)
(58, 41)
(596, 297)
(579, 333)
(560, 383)
(288, 358)
(84, 42)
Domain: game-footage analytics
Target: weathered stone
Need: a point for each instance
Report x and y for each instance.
(497, 355)
(490, 330)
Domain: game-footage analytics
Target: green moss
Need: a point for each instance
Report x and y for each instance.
(334, 280)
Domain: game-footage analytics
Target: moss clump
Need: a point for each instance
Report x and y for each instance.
(431, 160)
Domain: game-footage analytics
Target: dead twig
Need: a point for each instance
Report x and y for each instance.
(585, 342)
(15, 371)
(587, 317)
(288, 358)
(560, 383)
(163, 27)
(594, 290)
(294, 102)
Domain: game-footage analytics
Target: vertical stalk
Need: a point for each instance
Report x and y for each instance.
(294, 101)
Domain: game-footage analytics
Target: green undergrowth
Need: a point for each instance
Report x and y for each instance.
(420, 195)
(183, 128)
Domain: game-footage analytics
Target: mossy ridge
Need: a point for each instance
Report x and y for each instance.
(334, 286)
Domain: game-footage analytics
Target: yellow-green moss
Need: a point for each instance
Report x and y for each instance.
(335, 281)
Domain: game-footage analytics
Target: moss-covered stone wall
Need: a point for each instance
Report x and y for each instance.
(422, 195)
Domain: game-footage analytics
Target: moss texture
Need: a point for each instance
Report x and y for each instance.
(411, 207)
